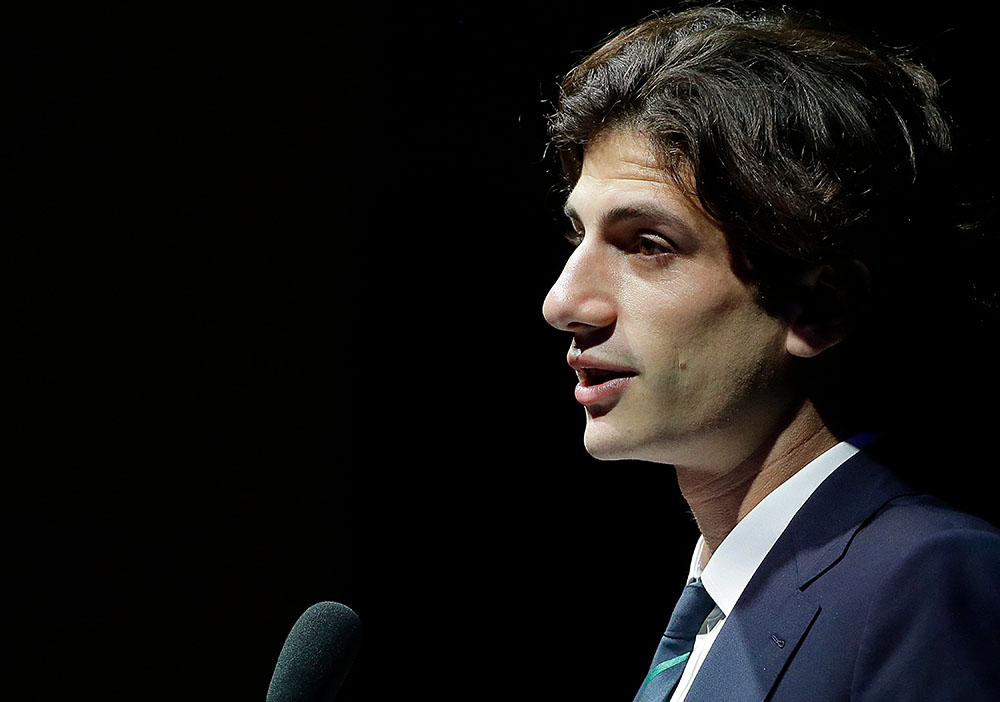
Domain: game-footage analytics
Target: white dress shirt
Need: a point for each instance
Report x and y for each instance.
(734, 563)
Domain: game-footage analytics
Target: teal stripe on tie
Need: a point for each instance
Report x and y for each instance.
(665, 665)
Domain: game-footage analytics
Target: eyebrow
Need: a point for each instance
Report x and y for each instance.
(640, 210)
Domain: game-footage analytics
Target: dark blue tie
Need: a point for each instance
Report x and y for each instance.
(675, 647)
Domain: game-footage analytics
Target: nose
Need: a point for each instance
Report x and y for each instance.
(582, 298)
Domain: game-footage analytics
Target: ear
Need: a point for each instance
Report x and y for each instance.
(829, 300)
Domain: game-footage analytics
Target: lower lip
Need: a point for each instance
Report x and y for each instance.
(605, 392)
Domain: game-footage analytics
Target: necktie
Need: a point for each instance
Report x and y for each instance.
(692, 608)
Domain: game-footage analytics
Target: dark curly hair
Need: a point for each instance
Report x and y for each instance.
(807, 143)
(810, 144)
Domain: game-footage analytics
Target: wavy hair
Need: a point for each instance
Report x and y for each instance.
(809, 144)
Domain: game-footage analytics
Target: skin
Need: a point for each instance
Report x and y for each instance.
(651, 287)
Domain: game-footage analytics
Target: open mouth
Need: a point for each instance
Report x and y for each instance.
(590, 377)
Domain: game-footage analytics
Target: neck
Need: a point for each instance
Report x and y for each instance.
(720, 499)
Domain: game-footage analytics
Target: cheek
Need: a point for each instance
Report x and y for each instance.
(711, 347)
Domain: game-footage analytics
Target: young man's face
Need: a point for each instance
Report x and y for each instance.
(687, 368)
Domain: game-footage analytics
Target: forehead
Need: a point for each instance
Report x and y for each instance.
(617, 161)
(625, 154)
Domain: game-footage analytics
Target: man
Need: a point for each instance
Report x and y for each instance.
(748, 192)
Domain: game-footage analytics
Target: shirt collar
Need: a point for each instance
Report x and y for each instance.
(739, 555)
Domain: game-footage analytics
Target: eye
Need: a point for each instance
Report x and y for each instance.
(574, 237)
(652, 245)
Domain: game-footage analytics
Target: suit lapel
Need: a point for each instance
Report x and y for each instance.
(753, 647)
(774, 612)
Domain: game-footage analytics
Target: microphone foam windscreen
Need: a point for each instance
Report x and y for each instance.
(317, 654)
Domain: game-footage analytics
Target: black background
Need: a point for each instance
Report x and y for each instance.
(272, 335)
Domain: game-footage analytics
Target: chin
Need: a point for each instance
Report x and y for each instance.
(606, 441)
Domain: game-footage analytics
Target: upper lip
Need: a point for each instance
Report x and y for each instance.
(583, 364)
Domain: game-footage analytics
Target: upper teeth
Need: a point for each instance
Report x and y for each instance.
(597, 373)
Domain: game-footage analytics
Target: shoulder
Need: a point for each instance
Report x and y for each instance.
(914, 519)
(915, 546)
(902, 589)
(871, 513)
(920, 542)
(935, 574)
(866, 522)
(919, 528)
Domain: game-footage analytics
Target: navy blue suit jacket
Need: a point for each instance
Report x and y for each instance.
(873, 592)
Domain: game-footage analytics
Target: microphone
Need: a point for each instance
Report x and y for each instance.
(317, 655)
